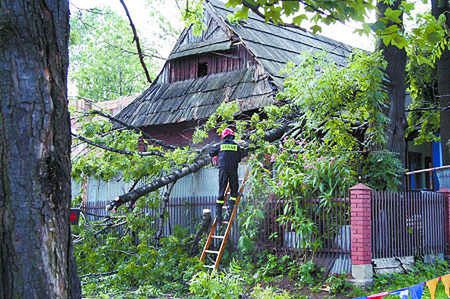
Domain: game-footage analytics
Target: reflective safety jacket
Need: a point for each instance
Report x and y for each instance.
(229, 152)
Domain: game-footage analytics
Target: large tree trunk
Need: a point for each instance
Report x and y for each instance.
(439, 7)
(396, 59)
(36, 258)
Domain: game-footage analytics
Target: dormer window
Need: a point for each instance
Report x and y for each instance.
(202, 69)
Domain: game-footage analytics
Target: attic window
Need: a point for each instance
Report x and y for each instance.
(202, 69)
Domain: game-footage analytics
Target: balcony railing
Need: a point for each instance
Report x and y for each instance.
(429, 179)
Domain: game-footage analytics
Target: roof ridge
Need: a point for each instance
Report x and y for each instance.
(297, 30)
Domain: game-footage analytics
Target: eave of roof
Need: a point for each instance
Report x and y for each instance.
(195, 99)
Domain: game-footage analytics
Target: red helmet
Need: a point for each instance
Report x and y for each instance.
(227, 132)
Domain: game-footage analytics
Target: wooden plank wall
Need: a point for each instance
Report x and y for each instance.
(186, 67)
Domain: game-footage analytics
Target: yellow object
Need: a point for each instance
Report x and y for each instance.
(432, 284)
(446, 281)
(228, 147)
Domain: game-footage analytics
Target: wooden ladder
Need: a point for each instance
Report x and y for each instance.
(212, 233)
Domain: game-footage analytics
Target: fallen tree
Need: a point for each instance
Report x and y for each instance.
(200, 162)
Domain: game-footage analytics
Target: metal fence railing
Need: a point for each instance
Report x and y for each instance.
(408, 223)
(182, 211)
(431, 179)
(331, 231)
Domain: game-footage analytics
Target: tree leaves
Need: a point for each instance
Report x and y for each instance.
(104, 64)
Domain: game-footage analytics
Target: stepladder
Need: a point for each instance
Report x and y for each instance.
(216, 234)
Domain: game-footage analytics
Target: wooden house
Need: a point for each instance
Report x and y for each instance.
(229, 61)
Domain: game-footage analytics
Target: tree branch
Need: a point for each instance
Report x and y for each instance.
(133, 128)
(136, 39)
(118, 151)
(166, 198)
(201, 161)
(134, 53)
(255, 9)
(158, 183)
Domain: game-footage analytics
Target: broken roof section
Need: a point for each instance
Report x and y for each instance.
(253, 86)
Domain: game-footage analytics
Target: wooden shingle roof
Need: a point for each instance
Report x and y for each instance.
(275, 45)
(195, 99)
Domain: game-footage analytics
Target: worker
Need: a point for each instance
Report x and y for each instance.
(227, 156)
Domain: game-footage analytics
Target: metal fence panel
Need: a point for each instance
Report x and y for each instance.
(407, 223)
(332, 231)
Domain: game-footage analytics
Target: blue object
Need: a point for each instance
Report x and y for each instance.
(436, 149)
(416, 291)
(412, 182)
(402, 293)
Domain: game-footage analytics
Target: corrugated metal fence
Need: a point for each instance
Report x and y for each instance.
(331, 232)
(183, 211)
(408, 223)
(190, 195)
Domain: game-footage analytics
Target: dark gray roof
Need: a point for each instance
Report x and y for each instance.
(202, 47)
(272, 45)
(196, 99)
(275, 45)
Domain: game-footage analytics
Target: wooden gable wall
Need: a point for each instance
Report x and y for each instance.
(216, 46)
(218, 62)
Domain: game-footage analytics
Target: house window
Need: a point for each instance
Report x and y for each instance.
(202, 69)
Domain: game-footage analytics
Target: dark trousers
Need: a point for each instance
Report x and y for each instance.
(227, 177)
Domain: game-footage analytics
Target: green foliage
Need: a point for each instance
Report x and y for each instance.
(338, 284)
(313, 12)
(193, 16)
(309, 274)
(219, 120)
(140, 265)
(104, 65)
(216, 285)
(379, 166)
(268, 293)
(108, 165)
(427, 41)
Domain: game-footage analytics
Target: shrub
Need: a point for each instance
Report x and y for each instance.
(216, 285)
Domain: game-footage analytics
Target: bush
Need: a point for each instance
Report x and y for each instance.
(268, 293)
(216, 285)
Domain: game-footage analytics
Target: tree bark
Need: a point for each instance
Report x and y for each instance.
(396, 59)
(439, 7)
(36, 259)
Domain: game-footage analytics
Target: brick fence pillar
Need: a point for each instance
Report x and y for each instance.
(361, 234)
(446, 192)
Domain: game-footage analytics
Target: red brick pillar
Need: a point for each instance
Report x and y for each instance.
(361, 234)
(446, 192)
